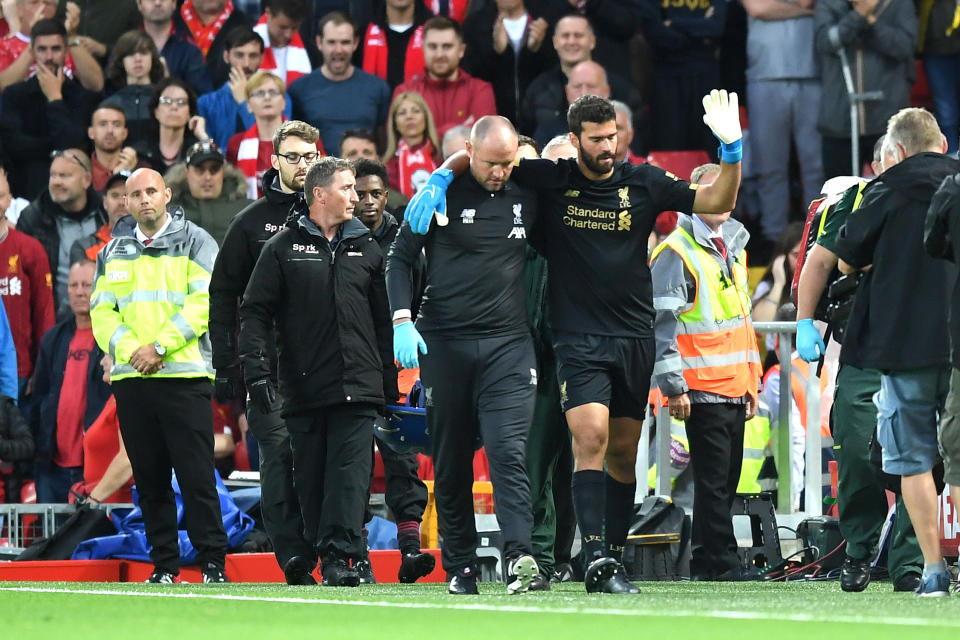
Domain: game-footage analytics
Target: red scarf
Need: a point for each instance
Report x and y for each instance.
(414, 166)
(247, 155)
(298, 64)
(457, 9)
(204, 35)
(375, 53)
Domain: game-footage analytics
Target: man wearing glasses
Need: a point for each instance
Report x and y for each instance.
(69, 210)
(295, 149)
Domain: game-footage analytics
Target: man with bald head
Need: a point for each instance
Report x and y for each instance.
(478, 368)
(587, 77)
(149, 311)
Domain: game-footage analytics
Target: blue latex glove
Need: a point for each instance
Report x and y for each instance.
(406, 342)
(429, 199)
(809, 343)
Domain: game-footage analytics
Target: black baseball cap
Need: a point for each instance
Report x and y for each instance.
(120, 176)
(200, 152)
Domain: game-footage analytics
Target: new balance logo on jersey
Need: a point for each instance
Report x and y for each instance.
(466, 216)
(533, 377)
(572, 193)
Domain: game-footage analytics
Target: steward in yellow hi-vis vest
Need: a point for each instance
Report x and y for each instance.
(149, 310)
(708, 367)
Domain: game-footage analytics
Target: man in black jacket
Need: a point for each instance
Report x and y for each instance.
(46, 112)
(321, 279)
(480, 373)
(67, 211)
(295, 149)
(406, 494)
(909, 344)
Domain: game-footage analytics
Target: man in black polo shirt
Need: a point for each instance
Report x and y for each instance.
(479, 375)
(598, 215)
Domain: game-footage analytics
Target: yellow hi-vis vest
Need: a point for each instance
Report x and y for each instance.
(717, 345)
(678, 432)
(156, 294)
(756, 438)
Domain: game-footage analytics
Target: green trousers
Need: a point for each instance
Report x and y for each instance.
(548, 446)
(860, 495)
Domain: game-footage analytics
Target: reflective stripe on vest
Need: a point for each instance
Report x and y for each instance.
(756, 436)
(717, 346)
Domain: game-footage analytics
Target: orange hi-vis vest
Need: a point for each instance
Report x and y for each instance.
(798, 384)
(716, 342)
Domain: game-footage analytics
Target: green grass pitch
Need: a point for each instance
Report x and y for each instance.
(674, 610)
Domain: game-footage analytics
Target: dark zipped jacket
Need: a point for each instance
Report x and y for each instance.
(335, 336)
(248, 232)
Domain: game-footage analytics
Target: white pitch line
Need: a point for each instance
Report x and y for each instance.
(463, 606)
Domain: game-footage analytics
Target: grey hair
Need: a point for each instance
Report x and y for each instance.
(704, 170)
(621, 107)
(321, 174)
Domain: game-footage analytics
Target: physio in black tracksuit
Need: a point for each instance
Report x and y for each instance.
(479, 375)
(321, 279)
(245, 237)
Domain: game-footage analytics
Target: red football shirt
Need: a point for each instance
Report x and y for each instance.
(27, 290)
(73, 401)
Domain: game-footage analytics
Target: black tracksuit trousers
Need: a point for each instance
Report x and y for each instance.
(485, 387)
(715, 432)
(279, 504)
(167, 424)
(331, 471)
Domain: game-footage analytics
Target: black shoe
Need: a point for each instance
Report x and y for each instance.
(365, 570)
(907, 582)
(562, 573)
(162, 576)
(336, 573)
(299, 571)
(606, 575)
(854, 575)
(212, 573)
(415, 565)
(578, 568)
(464, 582)
(540, 582)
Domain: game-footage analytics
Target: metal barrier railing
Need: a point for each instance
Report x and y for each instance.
(813, 505)
(22, 524)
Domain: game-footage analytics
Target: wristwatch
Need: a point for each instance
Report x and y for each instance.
(160, 349)
(75, 42)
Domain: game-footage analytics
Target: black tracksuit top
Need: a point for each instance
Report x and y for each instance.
(475, 265)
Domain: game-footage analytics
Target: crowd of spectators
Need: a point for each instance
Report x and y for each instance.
(197, 89)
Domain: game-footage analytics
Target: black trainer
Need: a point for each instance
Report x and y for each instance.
(540, 582)
(336, 573)
(415, 565)
(606, 575)
(212, 574)
(464, 582)
(365, 571)
(162, 576)
(563, 572)
(299, 571)
(907, 582)
(854, 575)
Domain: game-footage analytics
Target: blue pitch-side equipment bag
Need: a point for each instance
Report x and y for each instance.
(131, 541)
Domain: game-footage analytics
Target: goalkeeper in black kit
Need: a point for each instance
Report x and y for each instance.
(596, 217)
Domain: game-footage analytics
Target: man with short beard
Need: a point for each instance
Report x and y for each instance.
(66, 212)
(46, 112)
(108, 132)
(337, 96)
(453, 95)
(295, 149)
